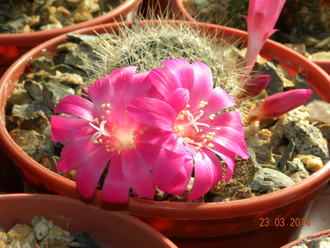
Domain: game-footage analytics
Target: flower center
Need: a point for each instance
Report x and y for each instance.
(115, 137)
(190, 125)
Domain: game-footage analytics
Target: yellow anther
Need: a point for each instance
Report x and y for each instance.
(108, 112)
(212, 117)
(202, 136)
(201, 129)
(188, 140)
(145, 128)
(218, 128)
(204, 141)
(181, 117)
(108, 150)
(210, 145)
(95, 142)
(103, 105)
(212, 133)
(119, 151)
(108, 105)
(201, 111)
(200, 145)
(112, 149)
(209, 137)
(193, 133)
(126, 112)
(141, 131)
(187, 106)
(108, 141)
(96, 120)
(102, 117)
(100, 140)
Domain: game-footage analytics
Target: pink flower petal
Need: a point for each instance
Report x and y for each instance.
(182, 69)
(217, 101)
(208, 172)
(89, 172)
(227, 156)
(178, 99)
(115, 187)
(100, 91)
(152, 112)
(65, 129)
(231, 133)
(74, 153)
(137, 173)
(202, 86)
(232, 140)
(163, 82)
(227, 119)
(76, 106)
(171, 173)
(166, 140)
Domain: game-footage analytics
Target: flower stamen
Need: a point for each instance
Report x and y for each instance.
(101, 131)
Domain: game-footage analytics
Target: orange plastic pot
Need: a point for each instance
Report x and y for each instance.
(12, 46)
(112, 229)
(224, 224)
(308, 240)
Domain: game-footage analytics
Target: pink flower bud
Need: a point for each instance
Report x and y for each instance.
(255, 86)
(261, 19)
(279, 104)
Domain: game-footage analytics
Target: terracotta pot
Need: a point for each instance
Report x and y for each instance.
(172, 8)
(226, 224)
(12, 46)
(179, 8)
(309, 239)
(112, 229)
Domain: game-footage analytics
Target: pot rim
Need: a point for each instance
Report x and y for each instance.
(35, 38)
(325, 233)
(153, 208)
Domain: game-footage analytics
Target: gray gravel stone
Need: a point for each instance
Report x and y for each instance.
(29, 141)
(275, 179)
(276, 84)
(308, 139)
(20, 111)
(41, 63)
(34, 89)
(54, 92)
(37, 121)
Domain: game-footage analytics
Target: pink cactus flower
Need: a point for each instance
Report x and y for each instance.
(183, 104)
(102, 132)
(261, 19)
(279, 104)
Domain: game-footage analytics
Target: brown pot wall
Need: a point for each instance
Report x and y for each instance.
(112, 229)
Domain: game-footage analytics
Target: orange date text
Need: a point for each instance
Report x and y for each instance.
(282, 222)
